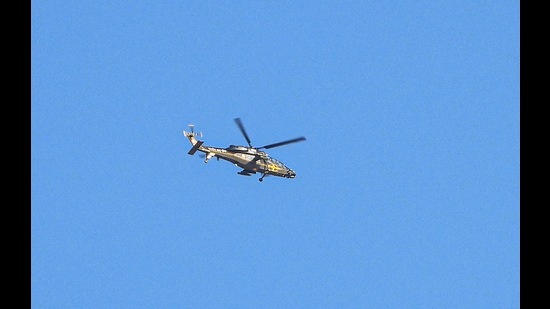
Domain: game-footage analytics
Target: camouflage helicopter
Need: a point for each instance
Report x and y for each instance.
(251, 159)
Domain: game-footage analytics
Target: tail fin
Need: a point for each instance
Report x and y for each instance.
(191, 136)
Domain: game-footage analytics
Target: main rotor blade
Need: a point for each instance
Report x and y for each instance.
(243, 131)
(290, 141)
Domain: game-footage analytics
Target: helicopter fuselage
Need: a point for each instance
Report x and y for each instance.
(250, 159)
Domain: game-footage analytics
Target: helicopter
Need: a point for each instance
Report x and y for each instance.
(251, 159)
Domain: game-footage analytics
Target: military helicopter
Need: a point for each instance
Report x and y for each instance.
(251, 159)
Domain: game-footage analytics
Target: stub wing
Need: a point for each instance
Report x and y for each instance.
(246, 172)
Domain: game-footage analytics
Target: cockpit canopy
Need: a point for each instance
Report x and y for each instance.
(276, 162)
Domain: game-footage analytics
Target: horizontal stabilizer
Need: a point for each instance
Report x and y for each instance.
(195, 147)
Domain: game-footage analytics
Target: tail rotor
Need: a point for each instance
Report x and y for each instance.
(192, 132)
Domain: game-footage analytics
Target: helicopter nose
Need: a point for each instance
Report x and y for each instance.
(291, 174)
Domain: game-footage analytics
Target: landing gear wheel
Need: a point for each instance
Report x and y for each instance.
(261, 179)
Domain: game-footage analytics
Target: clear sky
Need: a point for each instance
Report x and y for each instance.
(407, 194)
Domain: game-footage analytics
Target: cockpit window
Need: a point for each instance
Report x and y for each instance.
(279, 163)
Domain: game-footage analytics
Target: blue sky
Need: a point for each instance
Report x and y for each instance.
(407, 194)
